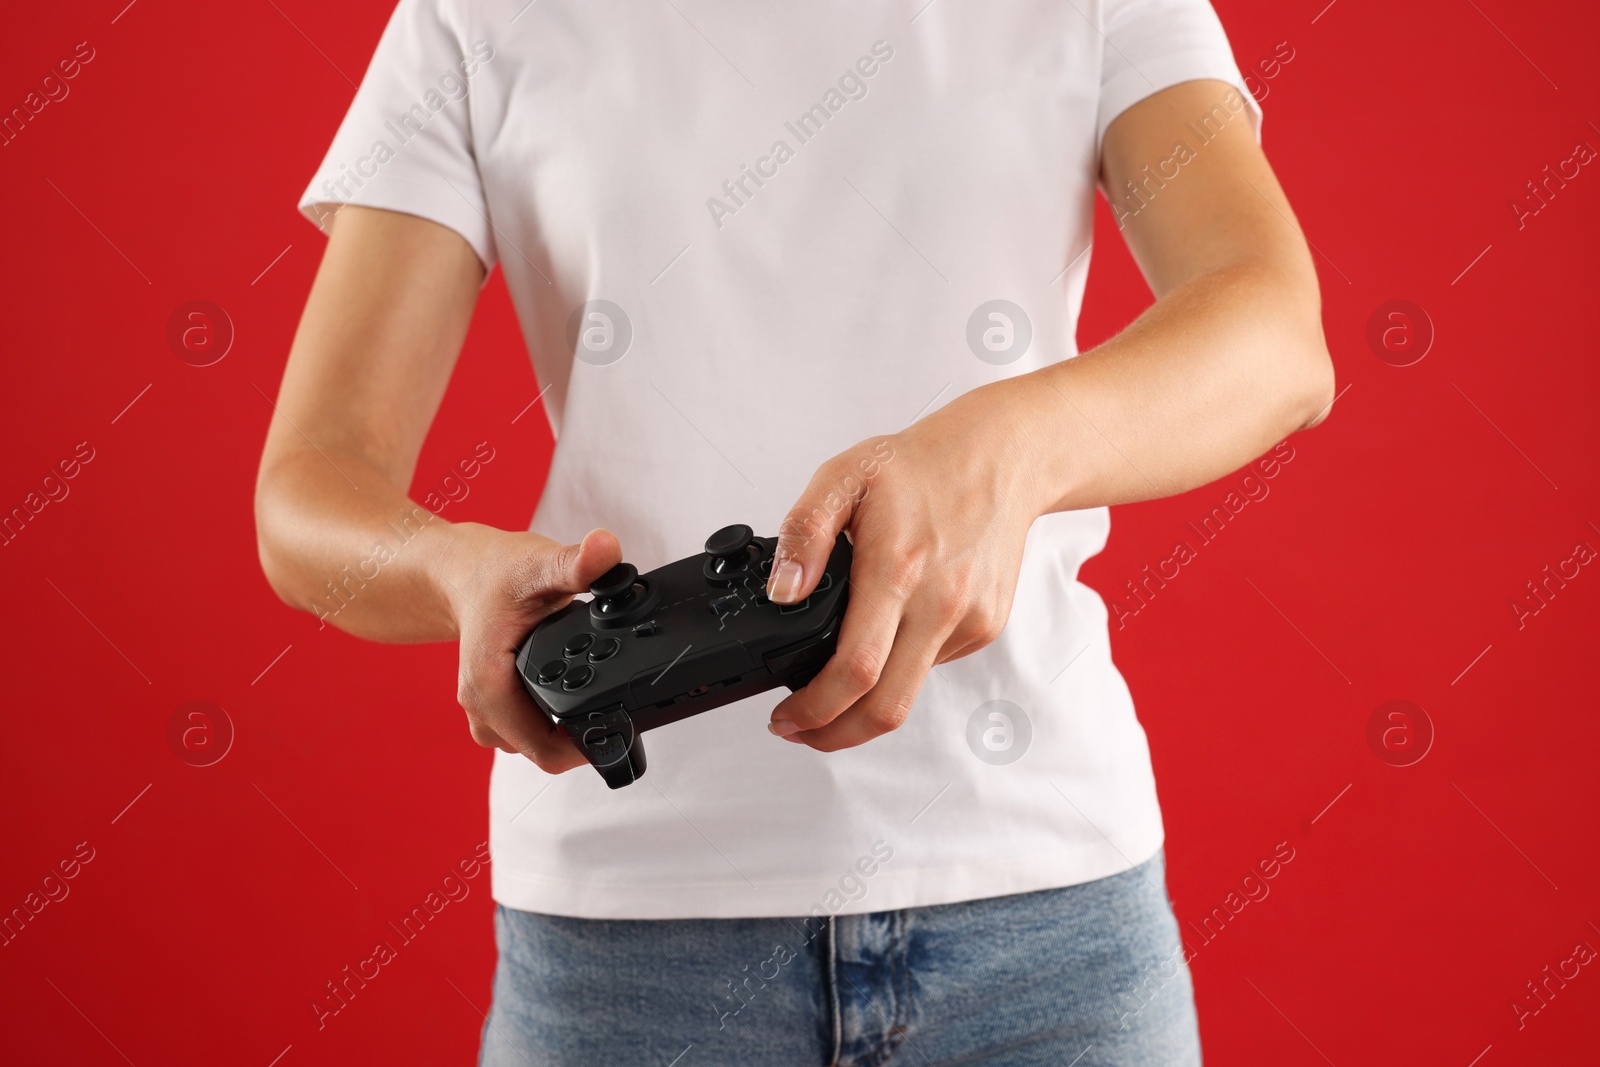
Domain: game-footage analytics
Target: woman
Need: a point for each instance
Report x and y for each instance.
(814, 268)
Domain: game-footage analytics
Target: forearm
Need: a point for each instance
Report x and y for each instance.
(1208, 378)
(339, 539)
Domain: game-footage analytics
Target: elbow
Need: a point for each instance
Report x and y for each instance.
(278, 579)
(1310, 386)
(270, 553)
(1290, 349)
(1316, 385)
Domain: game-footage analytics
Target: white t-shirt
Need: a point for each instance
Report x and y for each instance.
(796, 216)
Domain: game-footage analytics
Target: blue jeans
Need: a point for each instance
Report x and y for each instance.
(1084, 976)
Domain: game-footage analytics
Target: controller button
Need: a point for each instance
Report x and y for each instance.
(578, 677)
(765, 567)
(794, 609)
(604, 650)
(616, 584)
(551, 671)
(825, 582)
(579, 644)
(730, 541)
(648, 628)
(723, 605)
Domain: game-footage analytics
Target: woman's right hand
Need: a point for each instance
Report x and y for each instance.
(380, 335)
(499, 586)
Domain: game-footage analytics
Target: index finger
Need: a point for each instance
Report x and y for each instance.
(827, 506)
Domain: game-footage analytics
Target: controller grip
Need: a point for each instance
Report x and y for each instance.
(611, 744)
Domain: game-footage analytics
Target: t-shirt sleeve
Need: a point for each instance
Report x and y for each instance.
(406, 142)
(1152, 45)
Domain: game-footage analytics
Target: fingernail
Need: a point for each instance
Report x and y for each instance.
(785, 585)
(783, 727)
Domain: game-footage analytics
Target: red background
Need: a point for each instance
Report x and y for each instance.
(1382, 566)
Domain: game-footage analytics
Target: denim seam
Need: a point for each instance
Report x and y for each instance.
(833, 991)
(903, 1014)
(898, 1018)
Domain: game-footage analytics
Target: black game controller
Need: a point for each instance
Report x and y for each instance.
(651, 649)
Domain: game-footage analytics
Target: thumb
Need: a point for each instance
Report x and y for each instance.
(572, 568)
(805, 540)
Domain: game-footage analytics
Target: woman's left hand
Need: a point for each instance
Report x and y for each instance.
(937, 515)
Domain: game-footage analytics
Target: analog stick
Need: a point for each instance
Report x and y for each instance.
(729, 549)
(613, 589)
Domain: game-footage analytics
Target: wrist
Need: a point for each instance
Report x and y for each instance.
(1024, 437)
(1062, 444)
(454, 558)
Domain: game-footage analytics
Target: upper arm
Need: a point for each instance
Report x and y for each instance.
(1192, 191)
(378, 340)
